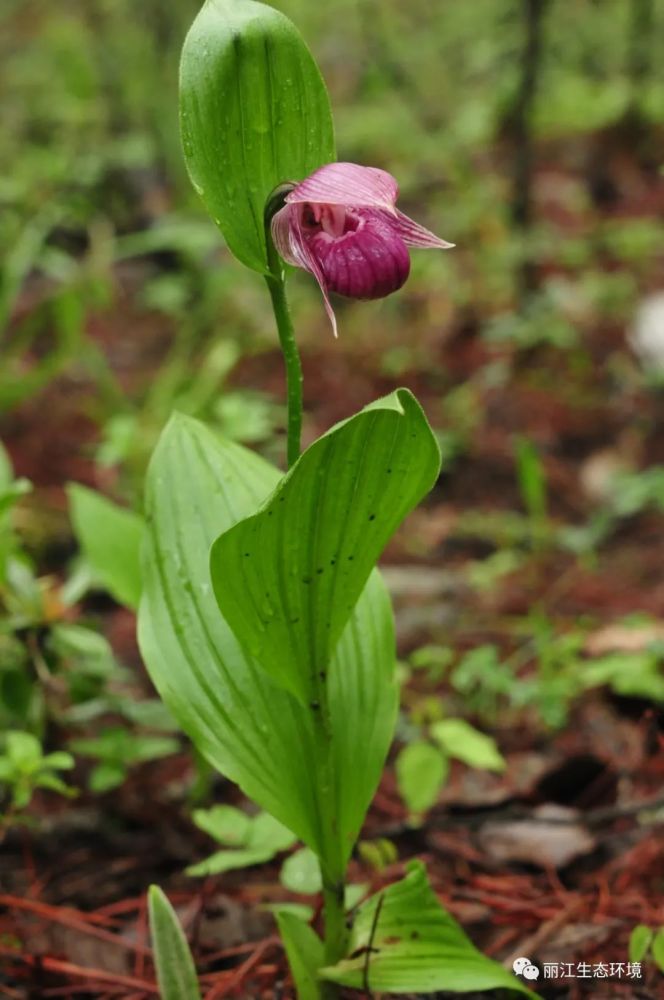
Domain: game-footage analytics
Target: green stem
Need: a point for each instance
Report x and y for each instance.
(277, 287)
(336, 932)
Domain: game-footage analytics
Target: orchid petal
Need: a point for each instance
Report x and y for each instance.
(281, 227)
(292, 246)
(347, 184)
(415, 235)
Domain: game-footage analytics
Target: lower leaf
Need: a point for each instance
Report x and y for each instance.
(305, 954)
(403, 941)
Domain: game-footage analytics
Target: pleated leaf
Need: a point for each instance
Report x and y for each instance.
(287, 579)
(176, 972)
(248, 727)
(415, 946)
(254, 113)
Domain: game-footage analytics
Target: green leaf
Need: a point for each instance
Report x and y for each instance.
(263, 837)
(176, 972)
(106, 776)
(300, 872)
(224, 823)
(59, 760)
(230, 860)
(304, 951)
(657, 948)
(415, 946)
(110, 537)
(247, 727)
(421, 770)
(54, 784)
(461, 740)
(88, 648)
(6, 469)
(24, 750)
(300, 564)
(639, 942)
(268, 833)
(151, 747)
(254, 113)
(301, 910)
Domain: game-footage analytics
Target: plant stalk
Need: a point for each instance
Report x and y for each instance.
(336, 932)
(276, 284)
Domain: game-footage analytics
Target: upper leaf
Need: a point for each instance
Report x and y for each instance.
(254, 113)
(287, 579)
(414, 946)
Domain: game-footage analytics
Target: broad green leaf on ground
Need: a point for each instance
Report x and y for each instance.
(254, 113)
(639, 943)
(263, 837)
(224, 823)
(421, 769)
(300, 564)
(110, 537)
(176, 972)
(250, 729)
(462, 741)
(304, 950)
(300, 872)
(657, 948)
(416, 946)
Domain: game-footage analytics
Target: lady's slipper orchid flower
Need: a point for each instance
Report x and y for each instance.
(341, 223)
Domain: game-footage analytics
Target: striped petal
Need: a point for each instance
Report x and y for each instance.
(415, 235)
(347, 184)
(291, 244)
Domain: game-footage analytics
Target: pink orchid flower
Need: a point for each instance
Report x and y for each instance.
(342, 225)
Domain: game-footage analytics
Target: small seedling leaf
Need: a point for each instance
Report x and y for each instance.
(176, 972)
(421, 769)
(461, 740)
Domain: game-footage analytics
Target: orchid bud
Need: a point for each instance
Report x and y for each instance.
(342, 225)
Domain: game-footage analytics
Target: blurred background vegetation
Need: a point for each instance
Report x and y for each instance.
(529, 133)
(526, 132)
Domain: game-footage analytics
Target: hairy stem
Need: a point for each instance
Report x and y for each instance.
(277, 287)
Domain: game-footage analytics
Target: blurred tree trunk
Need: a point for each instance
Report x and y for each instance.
(521, 130)
(641, 39)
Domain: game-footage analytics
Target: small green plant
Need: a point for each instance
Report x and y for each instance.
(645, 943)
(117, 751)
(531, 478)
(24, 768)
(423, 766)
(247, 840)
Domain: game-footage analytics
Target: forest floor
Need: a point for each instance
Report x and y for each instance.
(559, 857)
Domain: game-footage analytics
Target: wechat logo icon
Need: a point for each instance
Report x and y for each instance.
(524, 967)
